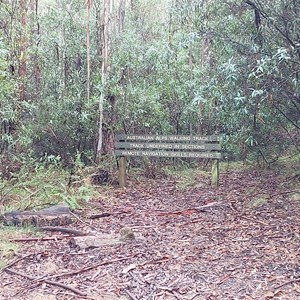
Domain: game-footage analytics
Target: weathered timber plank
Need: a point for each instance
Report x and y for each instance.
(162, 153)
(166, 138)
(124, 145)
(122, 171)
(215, 173)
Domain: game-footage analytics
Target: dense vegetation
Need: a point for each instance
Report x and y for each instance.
(73, 72)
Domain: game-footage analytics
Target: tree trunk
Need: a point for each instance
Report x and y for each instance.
(35, 60)
(88, 60)
(121, 15)
(104, 73)
(23, 48)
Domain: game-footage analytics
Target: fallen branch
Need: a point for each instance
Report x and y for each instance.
(178, 212)
(62, 229)
(19, 274)
(254, 220)
(64, 286)
(211, 204)
(85, 269)
(94, 241)
(286, 283)
(284, 193)
(17, 260)
(33, 239)
(98, 216)
(191, 210)
(83, 222)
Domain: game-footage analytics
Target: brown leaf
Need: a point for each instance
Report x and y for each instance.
(297, 288)
(269, 295)
(129, 268)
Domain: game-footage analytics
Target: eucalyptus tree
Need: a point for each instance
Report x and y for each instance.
(8, 105)
(64, 121)
(244, 69)
(263, 69)
(88, 69)
(12, 67)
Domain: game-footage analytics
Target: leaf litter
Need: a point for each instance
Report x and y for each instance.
(193, 244)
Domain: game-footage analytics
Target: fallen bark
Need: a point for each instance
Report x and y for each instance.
(63, 229)
(93, 241)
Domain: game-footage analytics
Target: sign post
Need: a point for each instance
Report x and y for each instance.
(122, 171)
(215, 173)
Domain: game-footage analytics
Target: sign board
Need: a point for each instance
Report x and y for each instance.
(167, 138)
(181, 146)
(161, 153)
(175, 146)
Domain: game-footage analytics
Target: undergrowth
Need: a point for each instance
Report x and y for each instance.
(185, 176)
(8, 248)
(40, 187)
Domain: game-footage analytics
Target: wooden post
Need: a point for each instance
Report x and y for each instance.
(122, 171)
(215, 172)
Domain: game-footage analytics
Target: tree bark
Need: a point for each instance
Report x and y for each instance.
(88, 59)
(104, 73)
(23, 47)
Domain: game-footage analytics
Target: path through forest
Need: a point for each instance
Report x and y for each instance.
(238, 241)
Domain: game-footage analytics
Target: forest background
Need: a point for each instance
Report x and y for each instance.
(73, 73)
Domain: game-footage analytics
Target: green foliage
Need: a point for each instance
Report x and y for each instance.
(65, 123)
(8, 105)
(186, 176)
(178, 67)
(40, 186)
(9, 249)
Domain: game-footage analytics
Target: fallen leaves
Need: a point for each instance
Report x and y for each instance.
(193, 247)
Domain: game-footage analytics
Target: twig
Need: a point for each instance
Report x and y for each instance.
(191, 210)
(32, 239)
(83, 222)
(286, 192)
(274, 195)
(18, 273)
(216, 203)
(137, 279)
(17, 260)
(86, 268)
(62, 229)
(286, 283)
(65, 294)
(29, 196)
(64, 286)
(98, 216)
(254, 220)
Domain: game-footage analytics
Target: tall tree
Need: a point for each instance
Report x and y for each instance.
(88, 56)
(23, 48)
(104, 72)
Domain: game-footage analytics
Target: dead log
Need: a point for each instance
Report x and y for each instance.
(100, 240)
(94, 241)
(63, 229)
(56, 215)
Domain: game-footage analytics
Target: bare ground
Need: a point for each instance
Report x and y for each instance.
(238, 241)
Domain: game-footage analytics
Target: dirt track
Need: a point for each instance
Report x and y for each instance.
(243, 244)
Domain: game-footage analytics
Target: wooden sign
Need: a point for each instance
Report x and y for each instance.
(167, 146)
(161, 153)
(167, 138)
(180, 146)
